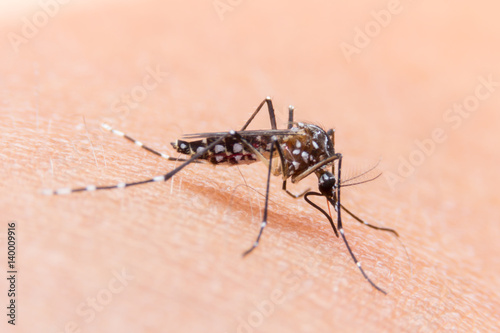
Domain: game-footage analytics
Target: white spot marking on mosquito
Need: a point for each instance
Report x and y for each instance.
(300, 124)
(359, 264)
(342, 231)
(219, 149)
(121, 185)
(65, 190)
(106, 127)
(238, 157)
(296, 152)
(139, 143)
(204, 141)
(237, 148)
(219, 158)
(199, 150)
(164, 155)
(183, 146)
(305, 156)
(90, 188)
(118, 132)
(297, 144)
(254, 156)
(296, 164)
(263, 224)
(159, 178)
(315, 145)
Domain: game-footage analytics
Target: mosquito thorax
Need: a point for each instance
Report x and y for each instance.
(326, 183)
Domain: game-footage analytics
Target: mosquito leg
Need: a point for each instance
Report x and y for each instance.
(272, 116)
(306, 198)
(336, 203)
(382, 229)
(266, 205)
(140, 144)
(160, 178)
(290, 116)
(367, 224)
(293, 195)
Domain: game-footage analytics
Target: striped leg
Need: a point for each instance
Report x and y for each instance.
(290, 117)
(368, 224)
(264, 220)
(335, 201)
(140, 144)
(272, 116)
(270, 108)
(160, 178)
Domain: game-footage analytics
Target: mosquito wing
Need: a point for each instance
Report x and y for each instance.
(245, 134)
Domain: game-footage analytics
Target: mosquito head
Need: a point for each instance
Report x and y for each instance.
(327, 183)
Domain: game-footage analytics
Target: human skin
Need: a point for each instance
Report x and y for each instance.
(176, 246)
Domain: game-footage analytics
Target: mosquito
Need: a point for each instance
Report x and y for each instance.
(294, 153)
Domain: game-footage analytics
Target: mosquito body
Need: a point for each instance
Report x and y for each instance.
(294, 153)
(301, 147)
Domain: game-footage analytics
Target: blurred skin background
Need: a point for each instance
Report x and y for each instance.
(413, 83)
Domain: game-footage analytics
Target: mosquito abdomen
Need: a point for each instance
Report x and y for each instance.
(229, 151)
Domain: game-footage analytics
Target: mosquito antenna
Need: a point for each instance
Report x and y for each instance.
(360, 182)
(364, 173)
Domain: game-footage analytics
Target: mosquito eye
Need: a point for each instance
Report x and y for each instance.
(326, 183)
